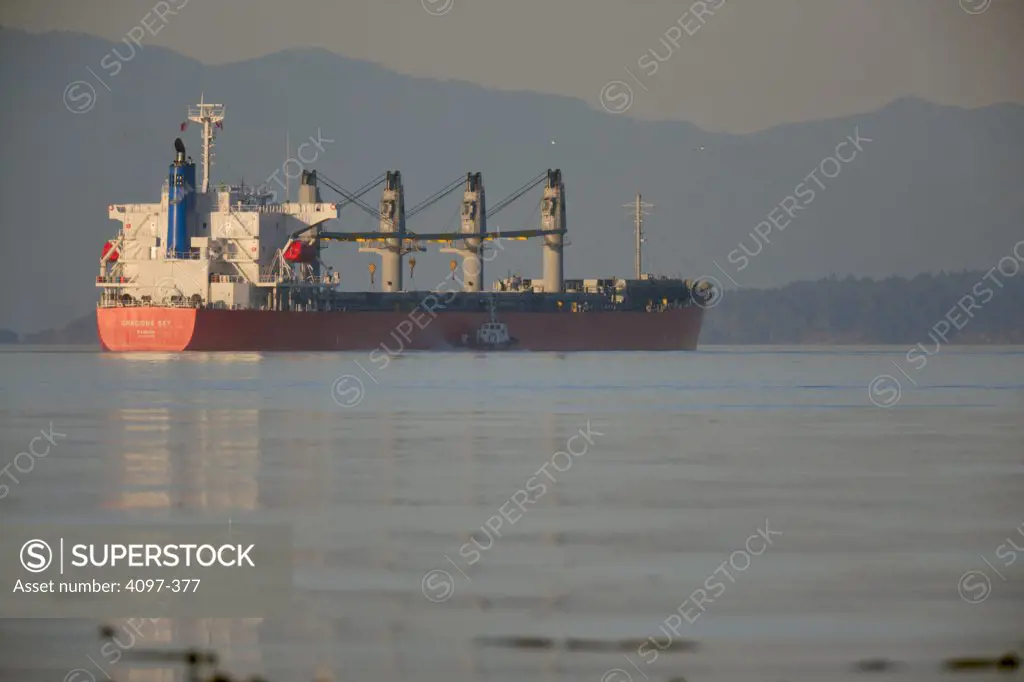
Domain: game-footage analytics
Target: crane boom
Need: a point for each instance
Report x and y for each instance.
(518, 193)
(352, 198)
(435, 197)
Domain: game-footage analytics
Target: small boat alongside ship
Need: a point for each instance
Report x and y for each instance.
(491, 335)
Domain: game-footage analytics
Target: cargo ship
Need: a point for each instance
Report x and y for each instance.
(232, 268)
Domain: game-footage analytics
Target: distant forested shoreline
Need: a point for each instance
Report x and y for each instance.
(970, 307)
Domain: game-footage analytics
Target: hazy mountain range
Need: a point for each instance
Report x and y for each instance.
(935, 188)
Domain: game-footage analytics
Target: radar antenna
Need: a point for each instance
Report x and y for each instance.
(638, 207)
(211, 116)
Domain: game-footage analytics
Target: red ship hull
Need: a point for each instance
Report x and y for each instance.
(197, 329)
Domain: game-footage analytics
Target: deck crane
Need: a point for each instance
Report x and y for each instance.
(309, 181)
(474, 233)
(350, 197)
(468, 240)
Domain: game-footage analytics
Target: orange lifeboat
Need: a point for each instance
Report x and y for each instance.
(300, 252)
(109, 248)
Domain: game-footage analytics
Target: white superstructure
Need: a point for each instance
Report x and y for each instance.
(241, 245)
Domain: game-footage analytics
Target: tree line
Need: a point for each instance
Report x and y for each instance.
(978, 306)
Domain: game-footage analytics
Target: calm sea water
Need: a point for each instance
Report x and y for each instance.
(876, 512)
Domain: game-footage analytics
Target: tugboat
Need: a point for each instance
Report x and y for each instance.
(491, 335)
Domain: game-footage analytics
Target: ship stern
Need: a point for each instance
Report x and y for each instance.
(145, 328)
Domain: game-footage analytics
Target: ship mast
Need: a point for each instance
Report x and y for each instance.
(210, 116)
(638, 228)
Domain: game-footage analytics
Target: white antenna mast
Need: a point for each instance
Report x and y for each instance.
(210, 116)
(638, 207)
(287, 155)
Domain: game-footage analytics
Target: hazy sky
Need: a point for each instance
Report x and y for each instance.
(743, 65)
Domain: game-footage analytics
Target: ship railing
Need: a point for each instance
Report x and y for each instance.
(270, 208)
(114, 279)
(133, 208)
(325, 280)
(241, 207)
(105, 302)
(232, 279)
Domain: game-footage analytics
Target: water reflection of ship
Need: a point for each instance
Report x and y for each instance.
(388, 488)
(205, 462)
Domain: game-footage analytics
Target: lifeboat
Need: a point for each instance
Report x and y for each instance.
(109, 248)
(300, 252)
